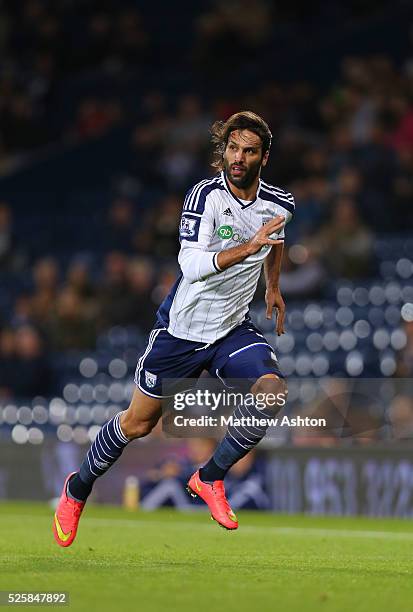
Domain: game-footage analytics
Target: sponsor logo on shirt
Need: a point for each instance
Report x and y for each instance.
(225, 232)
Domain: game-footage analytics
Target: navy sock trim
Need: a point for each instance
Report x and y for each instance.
(77, 489)
(211, 471)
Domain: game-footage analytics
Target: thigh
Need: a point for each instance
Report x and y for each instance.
(245, 355)
(166, 357)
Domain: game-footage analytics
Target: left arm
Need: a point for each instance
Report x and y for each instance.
(273, 298)
(272, 269)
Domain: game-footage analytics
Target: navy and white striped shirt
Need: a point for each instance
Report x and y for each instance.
(206, 303)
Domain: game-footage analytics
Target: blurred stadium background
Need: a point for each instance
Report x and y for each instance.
(104, 115)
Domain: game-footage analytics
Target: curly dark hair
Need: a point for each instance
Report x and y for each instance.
(244, 120)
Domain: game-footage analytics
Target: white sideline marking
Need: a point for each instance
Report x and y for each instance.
(295, 531)
(286, 531)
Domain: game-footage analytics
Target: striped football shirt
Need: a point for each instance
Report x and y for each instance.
(205, 303)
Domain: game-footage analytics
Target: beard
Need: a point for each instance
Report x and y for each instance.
(247, 178)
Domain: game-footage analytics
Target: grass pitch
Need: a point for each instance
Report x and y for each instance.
(172, 561)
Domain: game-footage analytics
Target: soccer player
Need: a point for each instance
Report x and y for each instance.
(231, 225)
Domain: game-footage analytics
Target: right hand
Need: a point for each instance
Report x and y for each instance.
(261, 238)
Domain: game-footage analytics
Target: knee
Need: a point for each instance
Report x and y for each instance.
(271, 391)
(133, 427)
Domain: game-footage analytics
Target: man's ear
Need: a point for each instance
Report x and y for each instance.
(265, 158)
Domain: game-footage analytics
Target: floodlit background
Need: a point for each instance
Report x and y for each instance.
(105, 108)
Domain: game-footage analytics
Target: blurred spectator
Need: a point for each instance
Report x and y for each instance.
(302, 274)
(23, 311)
(78, 279)
(21, 129)
(165, 227)
(8, 363)
(11, 256)
(348, 182)
(46, 279)
(71, 328)
(130, 38)
(178, 165)
(231, 31)
(401, 417)
(401, 137)
(100, 30)
(405, 358)
(348, 239)
(402, 195)
(163, 283)
(94, 117)
(191, 124)
(24, 369)
(184, 143)
(114, 292)
(120, 226)
(143, 240)
(312, 196)
(141, 278)
(34, 375)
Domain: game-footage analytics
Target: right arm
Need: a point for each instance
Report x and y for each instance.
(230, 257)
(196, 232)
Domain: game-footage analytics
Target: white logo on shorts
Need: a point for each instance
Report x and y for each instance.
(150, 378)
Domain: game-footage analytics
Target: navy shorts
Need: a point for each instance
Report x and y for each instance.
(243, 354)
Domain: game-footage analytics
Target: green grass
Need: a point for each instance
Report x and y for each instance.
(171, 561)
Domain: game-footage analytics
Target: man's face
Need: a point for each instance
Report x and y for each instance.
(243, 158)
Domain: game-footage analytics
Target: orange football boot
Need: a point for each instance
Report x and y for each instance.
(66, 518)
(214, 496)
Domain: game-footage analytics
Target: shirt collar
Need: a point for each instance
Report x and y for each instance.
(232, 194)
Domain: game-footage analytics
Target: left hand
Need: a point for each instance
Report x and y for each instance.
(273, 299)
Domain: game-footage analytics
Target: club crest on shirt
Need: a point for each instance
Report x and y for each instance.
(150, 378)
(272, 236)
(187, 227)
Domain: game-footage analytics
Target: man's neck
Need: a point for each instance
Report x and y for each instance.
(249, 193)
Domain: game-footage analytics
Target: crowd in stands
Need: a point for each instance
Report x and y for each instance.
(345, 151)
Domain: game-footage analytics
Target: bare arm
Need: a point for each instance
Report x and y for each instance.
(273, 297)
(272, 266)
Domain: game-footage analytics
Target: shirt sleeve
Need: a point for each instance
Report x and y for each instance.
(196, 230)
(288, 214)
